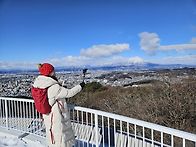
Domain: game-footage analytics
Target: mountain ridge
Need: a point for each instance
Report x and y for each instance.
(133, 67)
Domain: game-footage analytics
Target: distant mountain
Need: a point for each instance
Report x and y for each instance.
(116, 67)
(141, 66)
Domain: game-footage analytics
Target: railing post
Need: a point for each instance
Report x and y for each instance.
(96, 130)
(6, 114)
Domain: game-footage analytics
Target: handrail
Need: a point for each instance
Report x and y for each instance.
(149, 125)
(16, 99)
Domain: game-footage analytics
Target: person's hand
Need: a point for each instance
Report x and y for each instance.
(82, 84)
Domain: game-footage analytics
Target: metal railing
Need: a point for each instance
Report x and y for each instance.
(94, 127)
(20, 114)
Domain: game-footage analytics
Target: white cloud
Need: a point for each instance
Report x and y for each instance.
(178, 47)
(70, 61)
(135, 60)
(187, 59)
(150, 43)
(104, 50)
(193, 40)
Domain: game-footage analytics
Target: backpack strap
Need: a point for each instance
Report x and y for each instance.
(57, 94)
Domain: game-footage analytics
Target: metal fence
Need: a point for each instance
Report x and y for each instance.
(94, 127)
(20, 114)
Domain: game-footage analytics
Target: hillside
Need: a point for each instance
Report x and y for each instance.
(171, 105)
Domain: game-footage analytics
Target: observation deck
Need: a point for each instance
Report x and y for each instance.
(93, 128)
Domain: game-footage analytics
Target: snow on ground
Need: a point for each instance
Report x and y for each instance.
(7, 140)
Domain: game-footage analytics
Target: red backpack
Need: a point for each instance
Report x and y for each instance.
(40, 97)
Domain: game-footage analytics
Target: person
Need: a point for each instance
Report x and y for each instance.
(59, 132)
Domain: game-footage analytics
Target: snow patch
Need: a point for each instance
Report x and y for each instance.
(7, 140)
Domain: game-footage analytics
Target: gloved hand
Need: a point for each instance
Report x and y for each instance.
(82, 84)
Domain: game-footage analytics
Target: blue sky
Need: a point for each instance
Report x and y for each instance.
(97, 32)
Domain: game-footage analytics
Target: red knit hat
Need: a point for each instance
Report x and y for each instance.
(45, 69)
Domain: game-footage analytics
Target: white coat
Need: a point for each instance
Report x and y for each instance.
(59, 132)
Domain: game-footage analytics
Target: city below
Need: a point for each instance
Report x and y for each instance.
(16, 83)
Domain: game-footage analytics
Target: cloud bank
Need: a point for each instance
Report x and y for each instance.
(186, 60)
(77, 61)
(82, 61)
